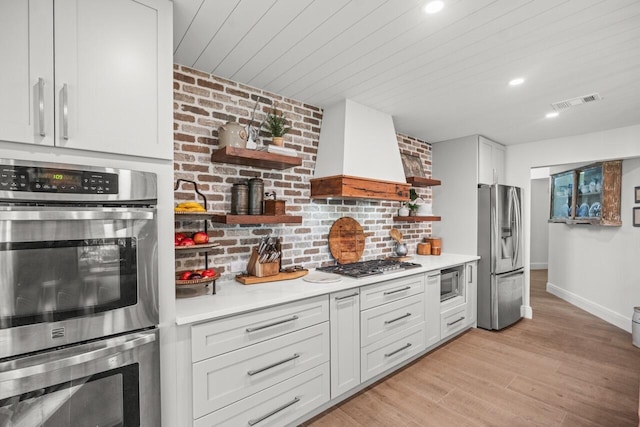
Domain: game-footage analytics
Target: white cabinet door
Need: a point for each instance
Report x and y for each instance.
(432, 308)
(471, 272)
(344, 316)
(497, 159)
(26, 74)
(490, 162)
(108, 90)
(486, 172)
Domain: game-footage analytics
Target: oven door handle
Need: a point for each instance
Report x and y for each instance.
(12, 374)
(19, 213)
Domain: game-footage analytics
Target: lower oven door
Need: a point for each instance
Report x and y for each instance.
(112, 382)
(74, 274)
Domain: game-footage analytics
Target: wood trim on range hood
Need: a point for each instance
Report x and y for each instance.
(351, 187)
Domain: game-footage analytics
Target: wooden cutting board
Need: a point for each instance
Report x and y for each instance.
(346, 240)
(245, 279)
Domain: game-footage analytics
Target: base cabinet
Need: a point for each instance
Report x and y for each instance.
(281, 365)
(432, 308)
(276, 406)
(344, 316)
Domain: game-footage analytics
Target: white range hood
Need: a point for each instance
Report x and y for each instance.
(358, 155)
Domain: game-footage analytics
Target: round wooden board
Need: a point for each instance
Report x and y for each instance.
(346, 240)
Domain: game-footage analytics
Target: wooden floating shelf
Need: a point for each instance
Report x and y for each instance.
(418, 181)
(256, 219)
(416, 218)
(260, 159)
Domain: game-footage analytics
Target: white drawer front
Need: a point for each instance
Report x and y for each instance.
(388, 352)
(227, 378)
(454, 320)
(220, 336)
(277, 405)
(384, 320)
(374, 295)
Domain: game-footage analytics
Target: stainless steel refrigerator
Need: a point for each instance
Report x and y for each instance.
(500, 269)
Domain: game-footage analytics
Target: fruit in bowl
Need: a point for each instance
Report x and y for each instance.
(187, 241)
(179, 237)
(185, 275)
(208, 273)
(200, 238)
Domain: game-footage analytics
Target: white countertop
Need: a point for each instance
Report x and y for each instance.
(234, 298)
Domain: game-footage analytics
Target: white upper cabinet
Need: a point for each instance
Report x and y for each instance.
(26, 75)
(490, 162)
(112, 66)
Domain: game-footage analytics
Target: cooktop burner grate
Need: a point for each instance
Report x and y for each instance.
(368, 268)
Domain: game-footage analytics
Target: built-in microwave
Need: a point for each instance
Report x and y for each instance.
(452, 283)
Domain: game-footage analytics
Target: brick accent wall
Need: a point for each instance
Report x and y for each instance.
(202, 103)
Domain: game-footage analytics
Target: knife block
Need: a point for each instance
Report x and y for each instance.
(255, 268)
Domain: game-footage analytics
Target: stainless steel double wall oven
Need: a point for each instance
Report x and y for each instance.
(78, 296)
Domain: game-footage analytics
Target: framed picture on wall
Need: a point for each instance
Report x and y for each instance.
(637, 194)
(636, 217)
(412, 165)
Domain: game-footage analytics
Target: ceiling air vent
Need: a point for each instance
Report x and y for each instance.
(573, 102)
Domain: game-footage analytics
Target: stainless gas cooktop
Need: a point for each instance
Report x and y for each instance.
(368, 268)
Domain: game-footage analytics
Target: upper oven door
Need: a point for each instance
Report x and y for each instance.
(74, 274)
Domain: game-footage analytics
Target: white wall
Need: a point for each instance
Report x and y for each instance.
(539, 224)
(607, 145)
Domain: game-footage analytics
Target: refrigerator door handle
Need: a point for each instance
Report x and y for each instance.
(518, 227)
(513, 273)
(495, 240)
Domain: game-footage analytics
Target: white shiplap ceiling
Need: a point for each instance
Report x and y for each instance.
(440, 76)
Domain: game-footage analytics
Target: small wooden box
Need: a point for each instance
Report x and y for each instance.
(257, 269)
(274, 207)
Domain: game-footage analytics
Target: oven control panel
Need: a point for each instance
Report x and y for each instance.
(51, 180)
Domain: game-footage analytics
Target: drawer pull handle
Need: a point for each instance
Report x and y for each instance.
(456, 321)
(346, 296)
(275, 411)
(406, 288)
(279, 322)
(398, 350)
(386, 322)
(273, 365)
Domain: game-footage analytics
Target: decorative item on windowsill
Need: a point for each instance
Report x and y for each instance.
(273, 206)
(276, 123)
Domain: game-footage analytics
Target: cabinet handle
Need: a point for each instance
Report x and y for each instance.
(65, 112)
(470, 274)
(346, 296)
(397, 290)
(398, 350)
(456, 321)
(273, 365)
(275, 411)
(41, 107)
(386, 322)
(279, 322)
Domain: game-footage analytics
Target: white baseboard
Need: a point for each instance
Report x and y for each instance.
(526, 311)
(538, 266)
(591, 307)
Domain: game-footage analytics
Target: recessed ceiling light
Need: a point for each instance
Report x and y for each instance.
(433, 7)
(552, 114)
(516, 82)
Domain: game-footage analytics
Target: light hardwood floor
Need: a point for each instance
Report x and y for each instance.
(564, 367)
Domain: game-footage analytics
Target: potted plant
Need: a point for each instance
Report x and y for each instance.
(276, 123)
(412, 204)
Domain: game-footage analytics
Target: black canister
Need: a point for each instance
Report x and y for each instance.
(240, 199)
(256, 196)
